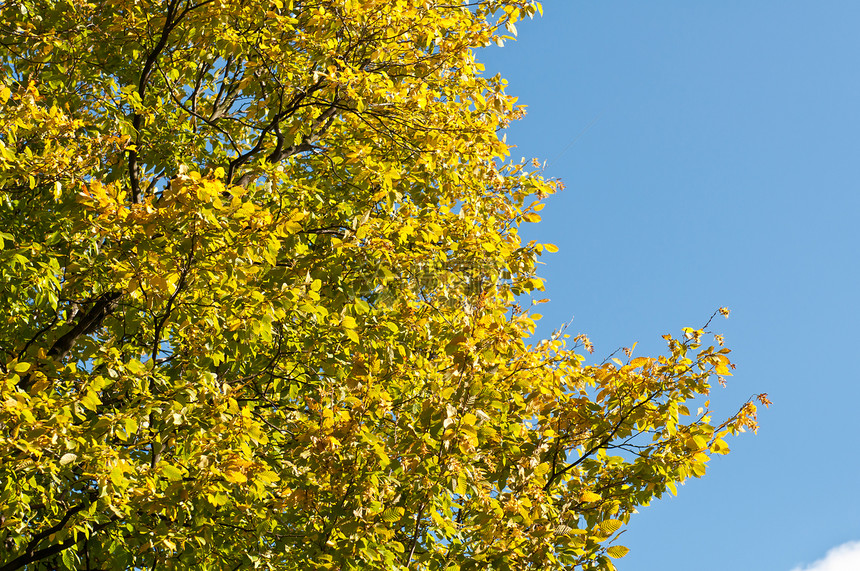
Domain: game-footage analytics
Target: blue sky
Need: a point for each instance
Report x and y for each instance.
(721, 167)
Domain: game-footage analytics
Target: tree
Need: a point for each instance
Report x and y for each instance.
(260, 283)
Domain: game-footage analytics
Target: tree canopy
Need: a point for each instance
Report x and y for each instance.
(260, 303)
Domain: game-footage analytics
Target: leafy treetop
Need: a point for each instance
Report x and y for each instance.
(259, 278)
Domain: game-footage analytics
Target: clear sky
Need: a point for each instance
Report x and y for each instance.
(721, 167)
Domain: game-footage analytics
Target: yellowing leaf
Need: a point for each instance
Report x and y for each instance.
(171, 472)
(130, 425)
(610, 526)
(391, 327)
(617, 551)
(91, 401)
(117, 476)
(392, 514)
(722, 369)
(235, 477)
(719, 446)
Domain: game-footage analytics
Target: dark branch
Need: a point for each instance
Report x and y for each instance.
(91, 321)
(30, 555)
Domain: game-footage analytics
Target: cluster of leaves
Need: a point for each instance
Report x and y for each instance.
(258, 283)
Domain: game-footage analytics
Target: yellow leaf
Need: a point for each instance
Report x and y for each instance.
(719, 446)
(171, 472)
(392, 514)
(117, 476)
(617, 551)
(235, 477)
(91, 401)
(610, 526)
(723, 370)
(130, 425)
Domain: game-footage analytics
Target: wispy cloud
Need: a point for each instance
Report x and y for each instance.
(845, 557)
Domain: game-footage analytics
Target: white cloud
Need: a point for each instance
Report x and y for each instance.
(845, 557)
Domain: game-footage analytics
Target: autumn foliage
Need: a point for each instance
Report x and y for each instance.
(259, 287)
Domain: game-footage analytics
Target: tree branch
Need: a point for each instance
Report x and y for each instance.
(602, 444)
(91, 321)
(31, 556)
